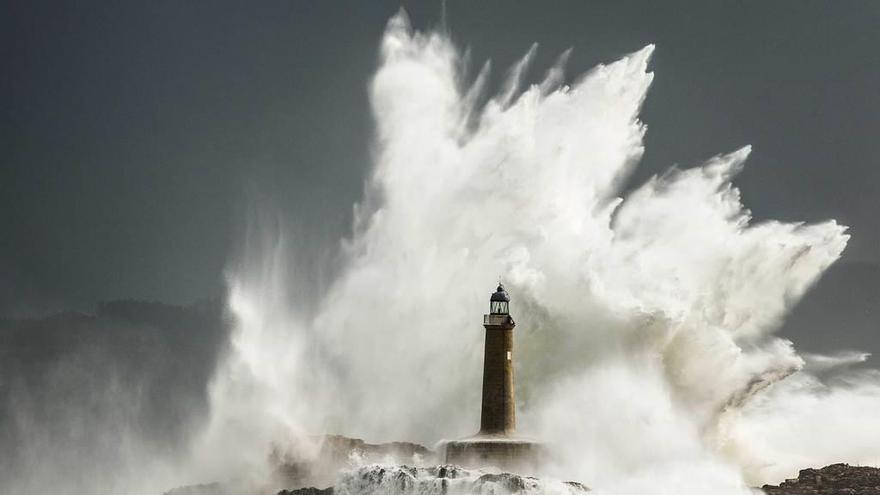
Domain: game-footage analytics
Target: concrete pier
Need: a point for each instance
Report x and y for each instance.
(507, 453)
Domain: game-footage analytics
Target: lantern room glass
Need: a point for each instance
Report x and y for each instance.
(498, 307)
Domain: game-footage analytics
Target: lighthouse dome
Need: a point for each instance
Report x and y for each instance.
(500, 294)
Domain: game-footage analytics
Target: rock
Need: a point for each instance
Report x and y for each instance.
(511, 483)
(308, 491)
(576, 487)
(836, 479)
(320, 462)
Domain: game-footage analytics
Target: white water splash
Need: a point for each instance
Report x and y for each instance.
(645, 354)
(445, 480)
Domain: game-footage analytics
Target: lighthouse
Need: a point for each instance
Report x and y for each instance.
(498, 413)
(496, 444)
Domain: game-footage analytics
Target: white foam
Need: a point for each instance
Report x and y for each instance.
(645, 347)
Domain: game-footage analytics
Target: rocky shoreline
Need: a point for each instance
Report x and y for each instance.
(835, 479)
(408, 468)
(407, 480)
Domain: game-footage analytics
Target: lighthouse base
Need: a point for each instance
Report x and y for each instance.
(511, 454)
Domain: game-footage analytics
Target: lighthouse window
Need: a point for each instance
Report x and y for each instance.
(508, 355)
(498, 307)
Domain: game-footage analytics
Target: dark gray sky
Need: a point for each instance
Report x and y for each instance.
(133, 134)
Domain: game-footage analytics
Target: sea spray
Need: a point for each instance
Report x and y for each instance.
(645, 322)
(446, 480)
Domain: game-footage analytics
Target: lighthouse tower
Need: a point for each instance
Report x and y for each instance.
(496, 444)
(498, 415)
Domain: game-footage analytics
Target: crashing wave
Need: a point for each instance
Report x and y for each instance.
(380, 479)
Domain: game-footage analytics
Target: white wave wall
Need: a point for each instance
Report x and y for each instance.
(644, 343)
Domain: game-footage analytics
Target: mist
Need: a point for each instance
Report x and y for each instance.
(105, 402)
